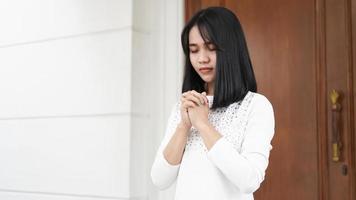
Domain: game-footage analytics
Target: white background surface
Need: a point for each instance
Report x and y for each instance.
(86, 88)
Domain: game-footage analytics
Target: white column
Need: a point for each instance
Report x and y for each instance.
(157, 73)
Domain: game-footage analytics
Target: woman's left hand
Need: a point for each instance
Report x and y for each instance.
(198, 114)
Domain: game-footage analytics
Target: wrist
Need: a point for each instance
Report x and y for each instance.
(183, 127)
(202, 125)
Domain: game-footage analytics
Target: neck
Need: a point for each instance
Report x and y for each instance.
(210, 89)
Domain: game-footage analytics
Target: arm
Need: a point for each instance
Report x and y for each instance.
(166, 165)
(174, 150)
(246, 170)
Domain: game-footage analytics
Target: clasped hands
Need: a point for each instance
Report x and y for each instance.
(194, 109)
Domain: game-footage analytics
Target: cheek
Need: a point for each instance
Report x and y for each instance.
(193, 60)
(213, 59)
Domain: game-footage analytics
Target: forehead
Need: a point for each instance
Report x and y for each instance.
(195, 36)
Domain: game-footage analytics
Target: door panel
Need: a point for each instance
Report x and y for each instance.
(338, 70)
(282, 53)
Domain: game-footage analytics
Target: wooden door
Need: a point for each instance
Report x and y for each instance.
(301, 50)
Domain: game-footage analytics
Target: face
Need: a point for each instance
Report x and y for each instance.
(202, 55)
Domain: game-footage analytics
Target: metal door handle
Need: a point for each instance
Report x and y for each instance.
(335, 122)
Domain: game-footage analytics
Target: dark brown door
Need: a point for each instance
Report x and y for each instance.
(301, 50)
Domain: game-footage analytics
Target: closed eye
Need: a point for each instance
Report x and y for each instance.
(211, 47)
(193, 50)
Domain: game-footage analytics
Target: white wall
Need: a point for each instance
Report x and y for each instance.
(86, 87)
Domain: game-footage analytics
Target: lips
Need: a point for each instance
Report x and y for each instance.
(206, 69)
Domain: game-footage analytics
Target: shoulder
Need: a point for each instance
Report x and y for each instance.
(260, 100)
(260, 104)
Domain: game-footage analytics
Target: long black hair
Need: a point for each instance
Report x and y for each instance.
(234, 73)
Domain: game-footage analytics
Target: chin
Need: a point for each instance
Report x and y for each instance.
(207, 79)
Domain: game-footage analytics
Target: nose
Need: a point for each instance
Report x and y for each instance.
(203, 57)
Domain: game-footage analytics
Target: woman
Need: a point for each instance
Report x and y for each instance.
(219, 134)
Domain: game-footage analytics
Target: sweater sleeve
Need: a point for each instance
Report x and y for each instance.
(246, 170)
(163, 174)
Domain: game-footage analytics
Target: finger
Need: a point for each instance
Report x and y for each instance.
(205, 98)
(193, 98)
(184, 99)
(188, 104)
(185, 94)
(199, 96)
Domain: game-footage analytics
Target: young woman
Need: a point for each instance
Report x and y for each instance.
(218, 136)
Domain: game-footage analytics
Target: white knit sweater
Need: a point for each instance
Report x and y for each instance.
(234, 167)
